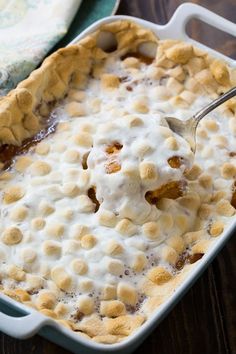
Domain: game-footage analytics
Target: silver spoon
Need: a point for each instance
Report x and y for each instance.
(187, 129)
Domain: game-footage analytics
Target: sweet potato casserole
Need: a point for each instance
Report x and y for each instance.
(104, 211)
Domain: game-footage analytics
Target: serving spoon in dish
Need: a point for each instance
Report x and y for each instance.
(187, 129)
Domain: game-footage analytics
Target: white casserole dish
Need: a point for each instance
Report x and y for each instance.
(32, 321)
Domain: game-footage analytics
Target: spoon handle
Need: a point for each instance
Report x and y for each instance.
(217, 102)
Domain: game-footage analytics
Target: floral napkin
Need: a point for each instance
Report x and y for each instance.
(28, 30)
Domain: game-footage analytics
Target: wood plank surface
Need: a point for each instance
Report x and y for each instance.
(205, 320)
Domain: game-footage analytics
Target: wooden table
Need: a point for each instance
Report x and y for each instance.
(205, 320)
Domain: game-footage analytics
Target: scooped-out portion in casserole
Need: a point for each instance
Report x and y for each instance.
(104, 210)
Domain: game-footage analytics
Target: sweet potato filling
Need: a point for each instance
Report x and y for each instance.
(175, 161)
(185, 258)
(114, 148)
(85, 160)
(93, 197)
(171, 190)
(233, 198)
(113, 165)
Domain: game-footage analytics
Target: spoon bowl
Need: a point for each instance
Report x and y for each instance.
(187, 129)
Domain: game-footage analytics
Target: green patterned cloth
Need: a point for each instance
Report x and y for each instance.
(28, 30)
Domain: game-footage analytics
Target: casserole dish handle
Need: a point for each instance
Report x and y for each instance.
(22, 327)
(187, 11)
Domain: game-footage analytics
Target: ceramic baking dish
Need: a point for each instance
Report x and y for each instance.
(22, 322)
